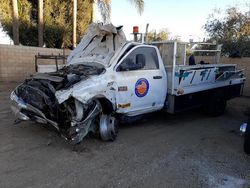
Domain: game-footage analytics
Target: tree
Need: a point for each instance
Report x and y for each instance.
(232, 30)
(40, 23)
(105, 8)
(74, 22)
(53, 22)
(15, 23)
(57, 21)
(162, 35)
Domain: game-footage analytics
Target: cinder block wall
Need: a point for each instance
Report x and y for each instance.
(18, 62)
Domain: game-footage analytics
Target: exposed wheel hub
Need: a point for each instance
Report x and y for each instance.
(108, 127)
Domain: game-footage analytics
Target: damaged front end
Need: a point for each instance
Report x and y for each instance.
(35, 100)
(49, 98)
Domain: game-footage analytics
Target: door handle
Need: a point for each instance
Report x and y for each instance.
(157, 77)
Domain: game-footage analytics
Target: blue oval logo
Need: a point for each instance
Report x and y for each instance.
(141, 87)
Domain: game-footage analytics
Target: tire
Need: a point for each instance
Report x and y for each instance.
(217, 105)
(247, 140)
(108, 127)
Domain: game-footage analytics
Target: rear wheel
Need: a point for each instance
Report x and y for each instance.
(108, 127)
(217, 105)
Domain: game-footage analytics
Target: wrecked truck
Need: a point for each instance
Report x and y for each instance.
(107, 79)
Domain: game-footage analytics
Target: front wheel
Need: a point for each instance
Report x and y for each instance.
(108, 127)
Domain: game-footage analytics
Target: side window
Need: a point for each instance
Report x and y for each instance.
(142, 58)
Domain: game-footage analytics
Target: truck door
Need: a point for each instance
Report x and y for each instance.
(141, 83)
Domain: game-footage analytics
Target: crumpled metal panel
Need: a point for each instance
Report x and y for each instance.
(98, 45)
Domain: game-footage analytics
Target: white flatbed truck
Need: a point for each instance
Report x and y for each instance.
(132, 79)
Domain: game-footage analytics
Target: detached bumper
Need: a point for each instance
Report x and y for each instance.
(27, 112)
(74, 133)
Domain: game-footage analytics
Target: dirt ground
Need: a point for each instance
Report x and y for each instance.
(183, 150)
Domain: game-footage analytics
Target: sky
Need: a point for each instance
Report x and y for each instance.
(184, 18)
(4, 38)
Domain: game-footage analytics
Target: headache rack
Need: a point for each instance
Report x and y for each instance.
(50, 67)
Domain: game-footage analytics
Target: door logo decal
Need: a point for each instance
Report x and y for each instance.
(141, 87)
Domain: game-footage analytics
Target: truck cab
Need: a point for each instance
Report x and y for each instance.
(140, 78)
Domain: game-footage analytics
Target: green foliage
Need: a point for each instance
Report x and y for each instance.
(57, 21)
(139, 5)
(232, 30)
(162, 35)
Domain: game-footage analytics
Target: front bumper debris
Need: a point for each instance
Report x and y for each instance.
(79, 129)
(75, 133)
(21, 111)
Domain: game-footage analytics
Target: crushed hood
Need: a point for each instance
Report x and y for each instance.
(98, 45)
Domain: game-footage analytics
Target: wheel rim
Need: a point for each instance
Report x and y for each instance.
(108, 127)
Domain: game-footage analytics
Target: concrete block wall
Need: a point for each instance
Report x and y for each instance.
(18, 62)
